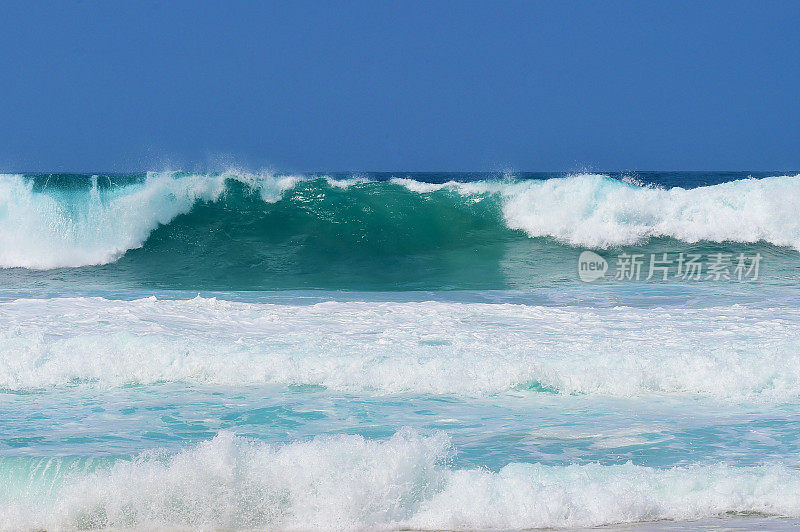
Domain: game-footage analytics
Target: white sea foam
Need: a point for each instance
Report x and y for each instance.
(729, 353)
(348, 482)
(39, 231)
(348, 182)
(599, 212)
(420, 186)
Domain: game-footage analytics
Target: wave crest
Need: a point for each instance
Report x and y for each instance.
(42, 229)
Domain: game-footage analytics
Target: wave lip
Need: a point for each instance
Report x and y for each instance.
(348, 482)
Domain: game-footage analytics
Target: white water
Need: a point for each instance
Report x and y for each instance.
(597, 212)
(727, 353)
(346, 482)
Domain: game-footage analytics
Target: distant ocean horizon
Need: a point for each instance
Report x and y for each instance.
(399, 350)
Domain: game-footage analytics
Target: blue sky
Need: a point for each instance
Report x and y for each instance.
(116, 86)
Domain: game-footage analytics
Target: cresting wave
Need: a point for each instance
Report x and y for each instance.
(43, 228)
(348, 482)
(726, 353)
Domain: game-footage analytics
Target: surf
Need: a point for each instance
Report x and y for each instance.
(349, 482)
(729, 354)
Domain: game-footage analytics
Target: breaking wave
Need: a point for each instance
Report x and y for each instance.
(45, 226)
(348, 482)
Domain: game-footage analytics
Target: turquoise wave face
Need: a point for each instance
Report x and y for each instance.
(245, 232)
(368, 236)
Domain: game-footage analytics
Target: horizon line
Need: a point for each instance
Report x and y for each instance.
(511, 172)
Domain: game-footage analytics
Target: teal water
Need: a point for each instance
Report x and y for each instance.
(254, 351)
(230, 233)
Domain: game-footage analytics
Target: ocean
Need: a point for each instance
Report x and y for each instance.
(241, 350)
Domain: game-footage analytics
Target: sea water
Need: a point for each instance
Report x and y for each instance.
(267, 351)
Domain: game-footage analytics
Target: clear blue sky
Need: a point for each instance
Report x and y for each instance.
(399, 85)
